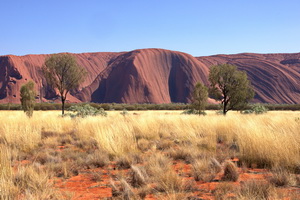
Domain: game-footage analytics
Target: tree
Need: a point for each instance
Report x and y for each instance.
(28, 94)
(200, 95)
(230, 86)
(63, 73)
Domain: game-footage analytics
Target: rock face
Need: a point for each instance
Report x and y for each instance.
(153, 76)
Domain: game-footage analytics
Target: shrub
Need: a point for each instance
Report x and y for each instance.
(85, 110)
(193, 112)
(256, 109)
(259, 109)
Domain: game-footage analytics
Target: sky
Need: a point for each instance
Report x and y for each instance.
(197, 27)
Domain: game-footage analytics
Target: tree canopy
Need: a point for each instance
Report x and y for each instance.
(63, 73)
(27, 99)
(200, 95)
(230, 86)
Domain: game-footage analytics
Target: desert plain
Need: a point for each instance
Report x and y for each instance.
(150, 155)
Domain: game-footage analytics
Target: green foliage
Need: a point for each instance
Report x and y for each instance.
(63, 73)
(28, 94)
(259, 109)
(256, 109)
(230, 86)
(193, 112)
(200, 95)
(145, 106)
(85, 110)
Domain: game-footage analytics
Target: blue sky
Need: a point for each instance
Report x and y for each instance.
(197, 27)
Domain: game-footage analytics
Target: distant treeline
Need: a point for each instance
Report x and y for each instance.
(116, 106)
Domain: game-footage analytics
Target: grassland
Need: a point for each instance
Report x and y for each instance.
(153, 154)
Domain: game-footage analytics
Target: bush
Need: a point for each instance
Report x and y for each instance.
(256, 109)
(85, 110)
(259, 109)
(193, 112)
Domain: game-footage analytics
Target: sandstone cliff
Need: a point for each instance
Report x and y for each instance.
(153, 76)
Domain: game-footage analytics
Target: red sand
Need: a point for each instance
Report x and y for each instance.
(84, 188)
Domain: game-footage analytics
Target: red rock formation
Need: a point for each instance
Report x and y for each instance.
(154, 76)
(275, 77)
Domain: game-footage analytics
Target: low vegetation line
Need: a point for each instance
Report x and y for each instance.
(122, 106)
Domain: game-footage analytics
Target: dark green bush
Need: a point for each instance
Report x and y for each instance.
(256, 109)
(85, 110)
(145, 106)
(193, 112)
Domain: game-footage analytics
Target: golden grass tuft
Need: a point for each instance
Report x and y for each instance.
(205, 169)
(254, 189)
(230, 172)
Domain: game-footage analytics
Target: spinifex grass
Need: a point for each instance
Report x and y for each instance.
(266, 140)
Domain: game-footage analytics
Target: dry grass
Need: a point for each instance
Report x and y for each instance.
(138, 176)
(205, 169)
(223, 190)
(95, 141)
(7, 187)
(31, 182)
(186, 153)
(257, 190)
(282, 177)
(254, 135)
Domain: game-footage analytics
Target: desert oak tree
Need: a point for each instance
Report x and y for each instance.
(200, 95)
(27, 94)
(63, 73)
(230, 86)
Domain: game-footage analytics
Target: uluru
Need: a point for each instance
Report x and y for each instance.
(153, 76)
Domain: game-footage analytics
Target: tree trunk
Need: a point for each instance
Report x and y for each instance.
(224, 103)
(63, 105)
(224, 108)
